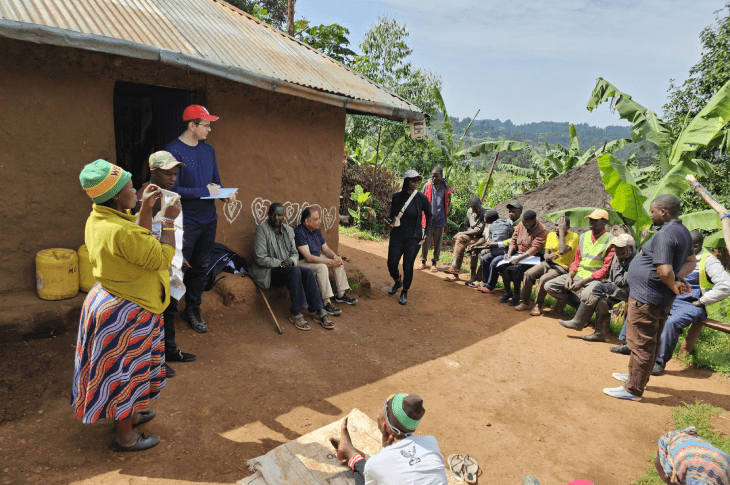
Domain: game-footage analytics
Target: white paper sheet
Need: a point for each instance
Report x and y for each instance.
(532, 260)
(225, 193)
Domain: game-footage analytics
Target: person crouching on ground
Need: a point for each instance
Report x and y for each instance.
(405, 459)
(528, 240)
(559, 254)
(275, 265)
(120, 351)
(406, 212)
(317, 256)
(163, 173)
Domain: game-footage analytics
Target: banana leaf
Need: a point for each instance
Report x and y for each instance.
(626, 197)
(574, 146)
(446, 124)
(714, 240)
(707, 220)
(492, 146)
(578, 215)
(468, 127)
(705, 126)
(645, 124)
(674, 182)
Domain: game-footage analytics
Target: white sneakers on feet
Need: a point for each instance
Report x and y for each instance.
(622, 377)
(620, 393)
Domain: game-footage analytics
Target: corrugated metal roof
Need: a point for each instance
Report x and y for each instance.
(206, 35)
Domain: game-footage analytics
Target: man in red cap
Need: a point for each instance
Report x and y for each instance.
(197, 178)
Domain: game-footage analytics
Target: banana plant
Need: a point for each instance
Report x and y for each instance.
(629, 201)
(705, 129)
(452, 150)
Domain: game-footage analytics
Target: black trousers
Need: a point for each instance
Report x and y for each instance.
(406, 248)
(168, 316)
(302, 286)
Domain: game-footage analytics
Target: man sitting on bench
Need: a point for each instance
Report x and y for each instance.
(709, 283)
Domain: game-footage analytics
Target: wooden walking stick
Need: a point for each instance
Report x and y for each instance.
(489, 177)
(270, 310)
(714, 204)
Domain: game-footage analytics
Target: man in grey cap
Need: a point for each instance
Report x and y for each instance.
(473, 228)
(404, 459)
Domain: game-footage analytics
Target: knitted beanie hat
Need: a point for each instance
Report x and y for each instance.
(102, 180)
(404, 411)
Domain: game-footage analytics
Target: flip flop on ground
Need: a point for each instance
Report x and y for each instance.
(471, 469)
(456, 465)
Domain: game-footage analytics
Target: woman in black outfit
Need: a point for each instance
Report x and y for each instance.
(406, 239)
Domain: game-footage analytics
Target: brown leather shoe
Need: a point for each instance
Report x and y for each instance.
(522, 307)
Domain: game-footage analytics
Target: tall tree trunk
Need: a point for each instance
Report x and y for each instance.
(290, 18)
(375, 164)
(489, 177)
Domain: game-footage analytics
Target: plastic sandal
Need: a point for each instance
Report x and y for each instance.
(299, 322)
(456, 465)
(471, 469)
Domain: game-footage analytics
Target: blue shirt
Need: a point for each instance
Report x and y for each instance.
(200, 170)
(438, 205)
(314, 239)
(672, 244)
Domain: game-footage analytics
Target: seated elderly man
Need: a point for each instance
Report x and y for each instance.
(528, 241)
(404, 459)
(275, 265)
(317, 256)
(474, 227)
(607, 293)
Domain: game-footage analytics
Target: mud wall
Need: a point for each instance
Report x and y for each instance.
(58, 115)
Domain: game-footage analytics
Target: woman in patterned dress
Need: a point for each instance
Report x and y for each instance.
(120, 352)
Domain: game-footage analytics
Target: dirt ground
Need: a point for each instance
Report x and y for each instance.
(521, 394)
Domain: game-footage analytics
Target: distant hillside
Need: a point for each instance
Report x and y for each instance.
(535, 134)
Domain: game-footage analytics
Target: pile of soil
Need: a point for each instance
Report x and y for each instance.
(580, 187)
(387, 182)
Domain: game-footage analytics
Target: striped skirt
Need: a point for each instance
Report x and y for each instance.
(120, 357)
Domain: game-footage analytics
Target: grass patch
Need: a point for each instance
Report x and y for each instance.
(697, 415)
(359, 233)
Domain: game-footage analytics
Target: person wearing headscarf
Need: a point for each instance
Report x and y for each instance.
(407, 210)
(405, 459)
(120, 349)
(684, 458)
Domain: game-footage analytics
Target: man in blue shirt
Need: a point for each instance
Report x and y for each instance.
(655, 277)
(197, 178)
(317, 256)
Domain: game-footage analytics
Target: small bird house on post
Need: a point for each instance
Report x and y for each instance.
(418, 129)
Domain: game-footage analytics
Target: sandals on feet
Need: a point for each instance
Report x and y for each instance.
(452, 271)
(324, 320)
(299, 322)
(471, 284)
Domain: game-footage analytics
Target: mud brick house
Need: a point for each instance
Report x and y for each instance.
(88, 79)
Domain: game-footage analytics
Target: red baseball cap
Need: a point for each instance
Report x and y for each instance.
(195, 111)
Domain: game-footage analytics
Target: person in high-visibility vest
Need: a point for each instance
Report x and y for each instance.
(709, 283)
(590, 266)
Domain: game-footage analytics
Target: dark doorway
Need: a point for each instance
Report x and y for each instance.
(146, 118)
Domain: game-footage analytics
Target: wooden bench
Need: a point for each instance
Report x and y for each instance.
(694, 332)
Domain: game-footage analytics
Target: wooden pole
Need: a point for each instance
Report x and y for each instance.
(715, 205)
(489, 177)
(290, 18)
(270, 310)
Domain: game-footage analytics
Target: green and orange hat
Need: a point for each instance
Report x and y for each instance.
(102, 180)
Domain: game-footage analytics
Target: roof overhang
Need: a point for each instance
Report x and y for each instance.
(41, 34)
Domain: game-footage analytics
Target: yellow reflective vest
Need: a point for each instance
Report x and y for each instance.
(705, 284)
(593, 253)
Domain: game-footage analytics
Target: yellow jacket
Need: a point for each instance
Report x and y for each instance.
(128, 261)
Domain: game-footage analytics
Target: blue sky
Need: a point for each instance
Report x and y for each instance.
(538, 60)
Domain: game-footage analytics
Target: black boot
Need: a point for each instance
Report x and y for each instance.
(395, 287)
(622, 349)
(403, 297)
(601, 329)
(573, 300)
(580, 319)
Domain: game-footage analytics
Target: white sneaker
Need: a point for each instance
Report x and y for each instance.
(620, 393)
(622, 377)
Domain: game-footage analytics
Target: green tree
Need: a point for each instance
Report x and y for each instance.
(273, 12)
(329, 39)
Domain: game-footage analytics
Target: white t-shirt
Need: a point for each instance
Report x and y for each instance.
(416, 460)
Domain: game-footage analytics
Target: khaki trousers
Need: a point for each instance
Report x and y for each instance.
(542, 273)
(322, 274)
(460, 243)
(437, 237)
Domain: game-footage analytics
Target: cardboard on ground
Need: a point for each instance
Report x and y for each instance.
(311, 460)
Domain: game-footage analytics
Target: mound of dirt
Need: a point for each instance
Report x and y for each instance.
(580, 187)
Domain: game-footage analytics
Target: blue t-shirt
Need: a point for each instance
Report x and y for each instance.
(672, 244)
(438, 205)
(200, 170)
(314, 239)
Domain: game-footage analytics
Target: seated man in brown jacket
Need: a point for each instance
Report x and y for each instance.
(528, 240)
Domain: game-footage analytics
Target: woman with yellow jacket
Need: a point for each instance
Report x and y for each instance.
(120, 352)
